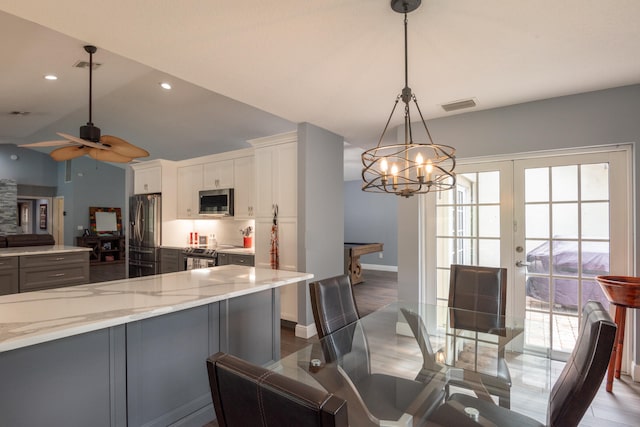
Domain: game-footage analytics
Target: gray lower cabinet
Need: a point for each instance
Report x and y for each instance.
(53, 270)
(70, 382)
(9, 275)
(171, 260)
(148, 373)
(225, 258)
(166, 371)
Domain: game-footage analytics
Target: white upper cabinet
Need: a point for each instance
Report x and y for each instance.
(189, 185)
(244, 176)
(277, 179)
(218, 175)
(147, 180)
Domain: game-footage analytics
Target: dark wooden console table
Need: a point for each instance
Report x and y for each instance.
(104, 249)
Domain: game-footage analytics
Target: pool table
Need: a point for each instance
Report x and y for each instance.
(352, 253)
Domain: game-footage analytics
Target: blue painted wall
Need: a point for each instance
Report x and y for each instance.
(369, 218)
(92, 183)
(31, 168)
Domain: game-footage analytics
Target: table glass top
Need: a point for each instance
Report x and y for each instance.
(390, 377)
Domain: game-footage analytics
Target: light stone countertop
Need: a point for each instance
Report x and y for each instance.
(40, 250)
(36, 317)
(236, 250)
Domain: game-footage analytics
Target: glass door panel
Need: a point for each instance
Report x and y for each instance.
(471, 219)
(563, 203)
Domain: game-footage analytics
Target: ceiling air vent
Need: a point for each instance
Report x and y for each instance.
(85, 64)
(459, 105)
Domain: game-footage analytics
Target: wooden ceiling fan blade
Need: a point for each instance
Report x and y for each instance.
(108, 156)
(48, 144)
(68, 153)
(81, 141)
(123, 147)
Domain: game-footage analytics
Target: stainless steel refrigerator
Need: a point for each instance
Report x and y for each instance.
(145, 224)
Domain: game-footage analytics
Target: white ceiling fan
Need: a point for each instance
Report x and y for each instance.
(106, 148)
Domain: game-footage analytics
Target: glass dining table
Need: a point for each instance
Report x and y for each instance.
(396, 365)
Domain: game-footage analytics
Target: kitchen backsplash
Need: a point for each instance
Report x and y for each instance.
(227, 231)
(9, 207)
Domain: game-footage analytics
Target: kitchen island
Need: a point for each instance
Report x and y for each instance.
(132, 352)
(32, 268)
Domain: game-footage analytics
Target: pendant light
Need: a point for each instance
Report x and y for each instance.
(411, 167)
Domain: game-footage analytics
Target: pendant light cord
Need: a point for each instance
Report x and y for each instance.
(406, 55)
(90, 87)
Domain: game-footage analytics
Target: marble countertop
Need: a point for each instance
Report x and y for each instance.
(236, 250)
(36, 317)
(40, 250)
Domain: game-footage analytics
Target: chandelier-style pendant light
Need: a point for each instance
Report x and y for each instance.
(413, 167)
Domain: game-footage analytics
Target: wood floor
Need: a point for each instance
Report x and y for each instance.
(106, 272)
(620, 408)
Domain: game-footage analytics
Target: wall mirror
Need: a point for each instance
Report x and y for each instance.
(105, 221)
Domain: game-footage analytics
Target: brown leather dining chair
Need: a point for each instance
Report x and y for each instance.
(572, 393)
(344, 342)
(474, 291)
(333, 304)
(245, 394)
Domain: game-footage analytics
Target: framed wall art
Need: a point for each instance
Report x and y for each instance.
(43, 217)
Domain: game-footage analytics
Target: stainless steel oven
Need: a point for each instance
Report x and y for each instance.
(195, 258)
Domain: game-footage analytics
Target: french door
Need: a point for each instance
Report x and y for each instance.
(571, 224)
(473, 221)
(555, 222)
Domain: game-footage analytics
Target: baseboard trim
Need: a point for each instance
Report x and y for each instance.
(380, 267)
(307, 331)
(287, 324)
(635, 372)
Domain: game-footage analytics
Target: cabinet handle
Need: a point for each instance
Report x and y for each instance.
(61, 258)
(57, 275)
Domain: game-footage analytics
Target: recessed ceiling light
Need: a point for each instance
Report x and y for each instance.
(51, 77)
(165, 85)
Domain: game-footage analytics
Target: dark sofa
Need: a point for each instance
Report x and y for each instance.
(19, 240)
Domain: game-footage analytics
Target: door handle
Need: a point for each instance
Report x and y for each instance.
(522, 264)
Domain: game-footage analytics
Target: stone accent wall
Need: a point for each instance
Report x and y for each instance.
(8, 206)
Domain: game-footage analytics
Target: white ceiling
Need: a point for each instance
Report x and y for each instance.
(335, 63)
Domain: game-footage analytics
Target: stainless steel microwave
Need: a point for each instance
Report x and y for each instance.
(216, 202)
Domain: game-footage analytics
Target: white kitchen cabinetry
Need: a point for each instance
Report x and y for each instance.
(189, 184)
(218, 175)
(147, 180)
(277, 179)
(287, 239)
(276, 183)
(244, 177)
(288, 257)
